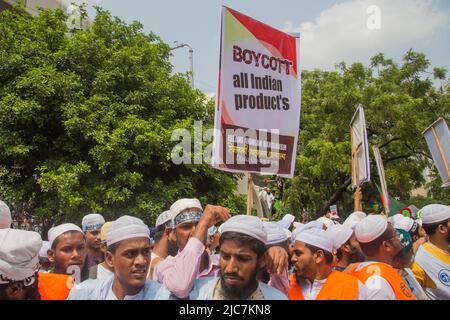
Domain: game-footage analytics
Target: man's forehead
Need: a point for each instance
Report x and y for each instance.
(134, 244)
(71, 237)
(300, 245)
(235, 247)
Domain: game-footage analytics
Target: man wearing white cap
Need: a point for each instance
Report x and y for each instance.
(411, 226)
(190, 224)
(277, 237)
(102, 270)
(380, 244)
(91, 225)
(287, 221)
(67, 254)
(161, 248)
(326, 222)
(242, 250)
(432, 261)
(314, 278)
(19, 264)
(353, 219)
(128, 253)
(347, 250)
(5, 216)
(44, 263)
(213, 240)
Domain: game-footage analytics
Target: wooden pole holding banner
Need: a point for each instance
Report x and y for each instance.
(357, 204)
(249, 193)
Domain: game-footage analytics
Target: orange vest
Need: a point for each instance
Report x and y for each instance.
(54, 286)
(338, 286)
(391, 275)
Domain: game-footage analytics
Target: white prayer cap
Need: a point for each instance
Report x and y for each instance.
(339, 234)
(126, 227)
(396, 217)
(404, 223)
(353, 219)
(316, 237)
(19, 255)
(55, 232)
(5, 216)
(286, 221)
(275, 233)
(181, 205)
(93, 221)
(370, 228)
(288, 233)
(327, 222)
(43, 251)
(163, 218)
(298, 224)
(249, 225)
(310, 225)
(435, 213)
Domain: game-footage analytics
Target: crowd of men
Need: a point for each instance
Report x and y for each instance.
(201, 253)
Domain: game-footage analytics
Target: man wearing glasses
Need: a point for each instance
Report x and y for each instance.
(380, 243)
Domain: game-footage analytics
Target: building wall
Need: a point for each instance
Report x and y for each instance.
(33, 5)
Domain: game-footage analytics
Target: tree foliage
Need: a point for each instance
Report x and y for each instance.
(400, 101)
(86, 119)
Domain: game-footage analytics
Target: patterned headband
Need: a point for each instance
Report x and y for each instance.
(187, 216)
(90, 227)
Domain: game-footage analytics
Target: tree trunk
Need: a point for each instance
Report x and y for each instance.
(334, 198)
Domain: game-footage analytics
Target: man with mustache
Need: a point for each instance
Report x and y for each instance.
(347, 250)
(67, 255)
(432, 262)
(314, 277)
(91, 225)
(242, 253)
(380, 243)
(128, 254)
(190, 224)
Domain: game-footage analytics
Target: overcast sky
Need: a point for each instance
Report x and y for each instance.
(331, 30)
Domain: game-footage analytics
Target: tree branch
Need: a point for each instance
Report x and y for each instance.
(404, 156)
(389, 142)
(337, 195)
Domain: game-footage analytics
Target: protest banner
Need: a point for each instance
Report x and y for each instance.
(384, 189)
(258, 102)
(360, 149)
(437, 137)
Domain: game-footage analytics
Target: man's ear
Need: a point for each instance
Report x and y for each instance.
(109, 259)
(442, 229)
(318, 256)
(51, 254)
(172, 236)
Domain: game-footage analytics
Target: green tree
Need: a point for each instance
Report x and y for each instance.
(400, 101)
(86, 118)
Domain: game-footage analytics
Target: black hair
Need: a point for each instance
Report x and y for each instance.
(430, 229)
(112, 248)
(328, 255)
(370, 249)
(339, 252)
(159, 232)
(255, 245)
